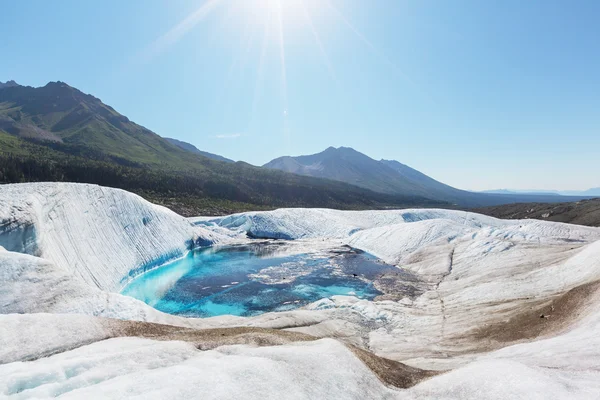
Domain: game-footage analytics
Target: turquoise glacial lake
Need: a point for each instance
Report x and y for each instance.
(253, 279)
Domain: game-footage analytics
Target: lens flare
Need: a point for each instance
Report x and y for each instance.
(265, 24)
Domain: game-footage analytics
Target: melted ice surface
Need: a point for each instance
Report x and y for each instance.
(253, 279)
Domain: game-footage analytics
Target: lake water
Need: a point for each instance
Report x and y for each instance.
(253, 279)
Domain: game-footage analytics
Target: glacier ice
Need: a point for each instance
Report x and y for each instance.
(96, 233)
(70, 248)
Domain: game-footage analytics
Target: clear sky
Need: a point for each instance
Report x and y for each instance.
(477, 94)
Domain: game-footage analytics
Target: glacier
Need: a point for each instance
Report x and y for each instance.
(507, 308)
(95, 233)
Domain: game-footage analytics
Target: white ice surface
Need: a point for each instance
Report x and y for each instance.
(79, 364)
(477, 271)
(480, 272)
(96, 233)
(32, 336)
(390, 233)
(146, 369)
(324, 223)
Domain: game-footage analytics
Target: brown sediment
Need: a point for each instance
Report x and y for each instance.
(535, 319)
(207, 339)
(398, 285)
(541, 318)
(392, 373)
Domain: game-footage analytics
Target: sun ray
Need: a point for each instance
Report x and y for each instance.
(286, 126)
(282, 53)
(180, 30)
(247, 47)
(317, 38)
(237, 59)
(378, 52)
(261, 65)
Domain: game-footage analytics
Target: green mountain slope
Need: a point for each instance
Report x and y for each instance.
(60, 113)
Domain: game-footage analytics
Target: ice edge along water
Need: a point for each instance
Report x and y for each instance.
(83, 240)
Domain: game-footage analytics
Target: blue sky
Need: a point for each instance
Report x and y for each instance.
(477, 94)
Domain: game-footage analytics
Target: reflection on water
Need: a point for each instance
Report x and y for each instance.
(253, 279)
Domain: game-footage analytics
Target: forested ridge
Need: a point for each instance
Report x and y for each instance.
(240, 187)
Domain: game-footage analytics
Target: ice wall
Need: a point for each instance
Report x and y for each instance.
(99, 234)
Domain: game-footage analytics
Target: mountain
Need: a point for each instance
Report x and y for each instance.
(435, 189)
(346, 165)
(392, 177)
(8, 84)
(58, 133)
(584, 193)
(499, 191)
(533, 192)
(191, 148)
(589, 192)
(592, 192)
(60, 113)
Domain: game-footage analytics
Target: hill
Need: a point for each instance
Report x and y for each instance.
(58, 133)
(392, 177)
(585, 212)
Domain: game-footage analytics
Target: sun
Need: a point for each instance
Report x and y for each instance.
(267, 23)
(291, 12)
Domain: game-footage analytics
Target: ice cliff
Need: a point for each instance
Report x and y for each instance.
(99, 234)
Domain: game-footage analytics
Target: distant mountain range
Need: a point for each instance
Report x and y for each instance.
(58, 133)
(348, 165)
(589, 192)
(191, 148)
(8, 84)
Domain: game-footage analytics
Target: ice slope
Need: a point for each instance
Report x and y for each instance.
(483, 295)
(26, 337)
(80, 363)
(478, 271)
(566, 366)
(325, 223)
(392, 243)
(34, 285)
(334, 224)
(501, 380)
(394, 234)
(98, 234)
(141, 368)
(485, 281)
